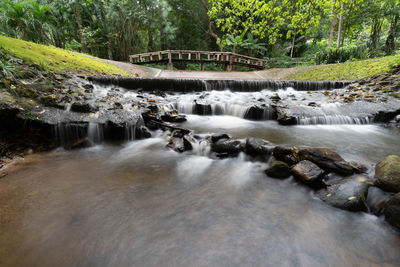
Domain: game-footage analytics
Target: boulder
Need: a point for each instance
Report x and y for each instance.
(307, 172)
(387, 174)
(348, 194)
(327, 159)
(392, 210)
(254, 113)
(228, 148)
(257, 147)
(285, 154)
(377, 199)
(83, 107)
(278, 169)
(142, 132)
(217, 137)
(188, 142)
(171, 116)
(202, 109)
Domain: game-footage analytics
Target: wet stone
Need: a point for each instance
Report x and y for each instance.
(307, 172)
(348, 193)
(387, 174)
(392, 210)
(257, 147)
(83, 107)
(229, 147)
(278, 169)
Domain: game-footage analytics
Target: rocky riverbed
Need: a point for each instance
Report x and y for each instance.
(41, 110)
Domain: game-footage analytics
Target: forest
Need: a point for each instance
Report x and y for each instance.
(286, 32)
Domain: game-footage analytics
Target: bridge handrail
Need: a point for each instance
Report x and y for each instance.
(227, 57)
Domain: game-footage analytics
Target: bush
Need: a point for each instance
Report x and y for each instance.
(338, 55)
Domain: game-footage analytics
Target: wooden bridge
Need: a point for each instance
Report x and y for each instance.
(227, 59)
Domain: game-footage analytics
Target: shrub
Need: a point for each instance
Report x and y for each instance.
(338, 55)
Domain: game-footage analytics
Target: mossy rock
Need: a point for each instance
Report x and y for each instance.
(392, 210)
(278, 169)
(387, 174)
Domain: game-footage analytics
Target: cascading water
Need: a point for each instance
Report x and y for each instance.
(96, 133)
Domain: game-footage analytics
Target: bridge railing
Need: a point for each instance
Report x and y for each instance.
(226, 58)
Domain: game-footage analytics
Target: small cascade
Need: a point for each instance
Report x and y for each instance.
(266, 112)
(332, 119)
(66, 133)
(202, 148)
(196, 85)
(130, 132)
(95, 133)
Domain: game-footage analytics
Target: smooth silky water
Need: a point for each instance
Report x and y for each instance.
(141, 204)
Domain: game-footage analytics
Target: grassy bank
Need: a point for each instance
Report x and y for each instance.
(56, 59)
(349, 71)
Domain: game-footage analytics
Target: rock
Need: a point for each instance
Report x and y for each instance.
(285, 154)
(275, 98)
(83, 107)
(313, 104)
(51, 101)
(308, 172)
(327, 159)
(188, 141)
(397, 119)
(142, 132)
(88, 88)
(386, 116)
(348, 194)
(81, 143)
(387, 174)
(286, 119)
(117, 105)
(377, 199)
(217, 137)
(257, 147)
(229, 148)
(172, 116)
(254, 113)
(176, 144)
(202, 109)
(392, 210)
(278, 169)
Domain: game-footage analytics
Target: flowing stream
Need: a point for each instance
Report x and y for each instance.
(142, 204)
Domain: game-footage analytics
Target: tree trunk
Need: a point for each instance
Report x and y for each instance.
(78, 18)
(390, 41)
(210, 28)
(150, 42)
(375, 34)
(109, 47)
(340, 27)
(293, 43)
(333, 25)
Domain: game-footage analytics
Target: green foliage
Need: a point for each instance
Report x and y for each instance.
(6, 64)
(338, 55)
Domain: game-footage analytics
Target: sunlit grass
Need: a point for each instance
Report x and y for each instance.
(349, 71)
(56, 59)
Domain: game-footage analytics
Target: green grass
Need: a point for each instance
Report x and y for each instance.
(348, 71)
(56, 59)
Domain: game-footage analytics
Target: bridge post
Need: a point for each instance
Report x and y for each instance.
(170, 66)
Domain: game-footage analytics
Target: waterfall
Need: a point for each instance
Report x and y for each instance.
(70, 132)
(195, 85)
(130, 132)
(332, 119)
(95, 133)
